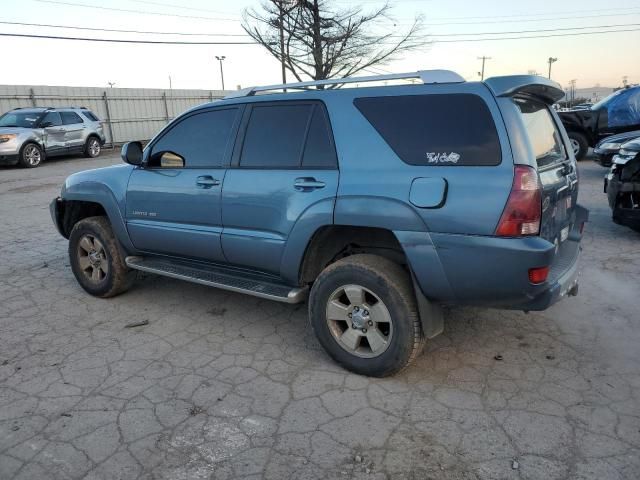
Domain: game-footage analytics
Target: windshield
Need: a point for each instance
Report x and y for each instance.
(19, 119)
(542, 132)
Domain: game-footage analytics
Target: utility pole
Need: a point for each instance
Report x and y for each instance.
(572, 84)
(220, 59)
(170, 86)
(625, 81)
(551, 61)
(484, 59)
(111, 84)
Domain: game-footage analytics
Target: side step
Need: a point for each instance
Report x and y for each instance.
(220, 277)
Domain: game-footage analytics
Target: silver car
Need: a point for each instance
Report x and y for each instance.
(29, 135)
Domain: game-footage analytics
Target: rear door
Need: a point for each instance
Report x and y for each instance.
(73, 126)
(285, 163)
(556, 169)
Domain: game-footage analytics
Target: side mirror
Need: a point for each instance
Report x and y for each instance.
(46, 124)
(131, 153)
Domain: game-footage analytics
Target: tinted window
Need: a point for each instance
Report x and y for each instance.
(319, 151)
(53, 117)
(200, 139)
(275, 136)
(452, 129)
(542, 132)
(90, 115)
(69, 118)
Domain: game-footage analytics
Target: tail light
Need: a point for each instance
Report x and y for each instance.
(522, 214)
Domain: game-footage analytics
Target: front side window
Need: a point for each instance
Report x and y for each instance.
(19, 119)
(51, 119)
(70, 118)
(542, 131)
(198, 141)
(435, 130)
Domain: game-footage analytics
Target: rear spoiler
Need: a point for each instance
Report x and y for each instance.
(512, 85)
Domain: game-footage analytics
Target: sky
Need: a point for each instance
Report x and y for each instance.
(594, 59)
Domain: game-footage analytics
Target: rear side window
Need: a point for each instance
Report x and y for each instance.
(89, 114)
(200, 139)
(275, 136)
(432, 130)
(542, 131)
(69, 118)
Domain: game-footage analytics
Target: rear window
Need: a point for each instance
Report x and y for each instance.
(542, 131)
(432, 130)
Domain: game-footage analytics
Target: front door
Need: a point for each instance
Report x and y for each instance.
(74, 127)
(285, 164)
(173, 201)
(54, 132)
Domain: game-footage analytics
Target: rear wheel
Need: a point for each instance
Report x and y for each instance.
(579, 144)
(363, 311)
(92, 148)
(31, 155)
(96, 260)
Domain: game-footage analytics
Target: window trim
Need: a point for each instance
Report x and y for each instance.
(482, 99)
(226, 158)
(242, 132)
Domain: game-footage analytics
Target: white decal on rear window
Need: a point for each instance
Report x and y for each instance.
(443, 157)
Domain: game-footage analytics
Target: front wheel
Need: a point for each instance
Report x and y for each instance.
(363, 311)
(92, 148)
(96, 260)
(579, 144)
(31, 155)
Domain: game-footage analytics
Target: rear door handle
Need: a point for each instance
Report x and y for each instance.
(305, 184)
(207, 181)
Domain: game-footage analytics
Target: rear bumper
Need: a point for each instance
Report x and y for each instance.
(492, 271)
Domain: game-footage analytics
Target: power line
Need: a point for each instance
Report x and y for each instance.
(532, 31)
(143, 12)
(119, 40)
(482, 22)
(535, 36)
(73, 27)
(182, 7)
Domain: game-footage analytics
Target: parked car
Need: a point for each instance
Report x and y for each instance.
(610, 146)
(383, 202)
(30, 135)
(617, 113)
(622, 185)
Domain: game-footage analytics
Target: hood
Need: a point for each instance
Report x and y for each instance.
(16, 130)
(632, 146)
(620, 138)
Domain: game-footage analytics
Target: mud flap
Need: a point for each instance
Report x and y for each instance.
(431, 314)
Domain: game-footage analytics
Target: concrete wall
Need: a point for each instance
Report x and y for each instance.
(130, 113)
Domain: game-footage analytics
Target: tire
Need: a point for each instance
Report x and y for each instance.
(579, 144)
(96, 259)
(92, 147)
(386, 288)
(31, 155)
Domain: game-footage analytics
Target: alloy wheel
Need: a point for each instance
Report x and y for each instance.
(92, 258)
(32, 155)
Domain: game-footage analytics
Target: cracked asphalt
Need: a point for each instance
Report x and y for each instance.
(220, 385)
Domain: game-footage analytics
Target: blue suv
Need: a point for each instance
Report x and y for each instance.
(379, 203)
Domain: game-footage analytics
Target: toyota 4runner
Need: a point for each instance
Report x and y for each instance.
(381, 203)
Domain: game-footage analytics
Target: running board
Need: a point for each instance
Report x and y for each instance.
(220, 277)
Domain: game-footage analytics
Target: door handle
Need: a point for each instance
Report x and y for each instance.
(207, 181)
(306, 184)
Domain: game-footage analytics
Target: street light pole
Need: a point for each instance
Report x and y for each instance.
(220, 59)
(551, 61)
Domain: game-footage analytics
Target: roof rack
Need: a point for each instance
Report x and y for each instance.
(427, 76)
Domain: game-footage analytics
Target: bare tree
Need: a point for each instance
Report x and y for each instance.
(316, 39)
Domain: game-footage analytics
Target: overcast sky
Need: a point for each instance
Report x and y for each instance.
(590, 59)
